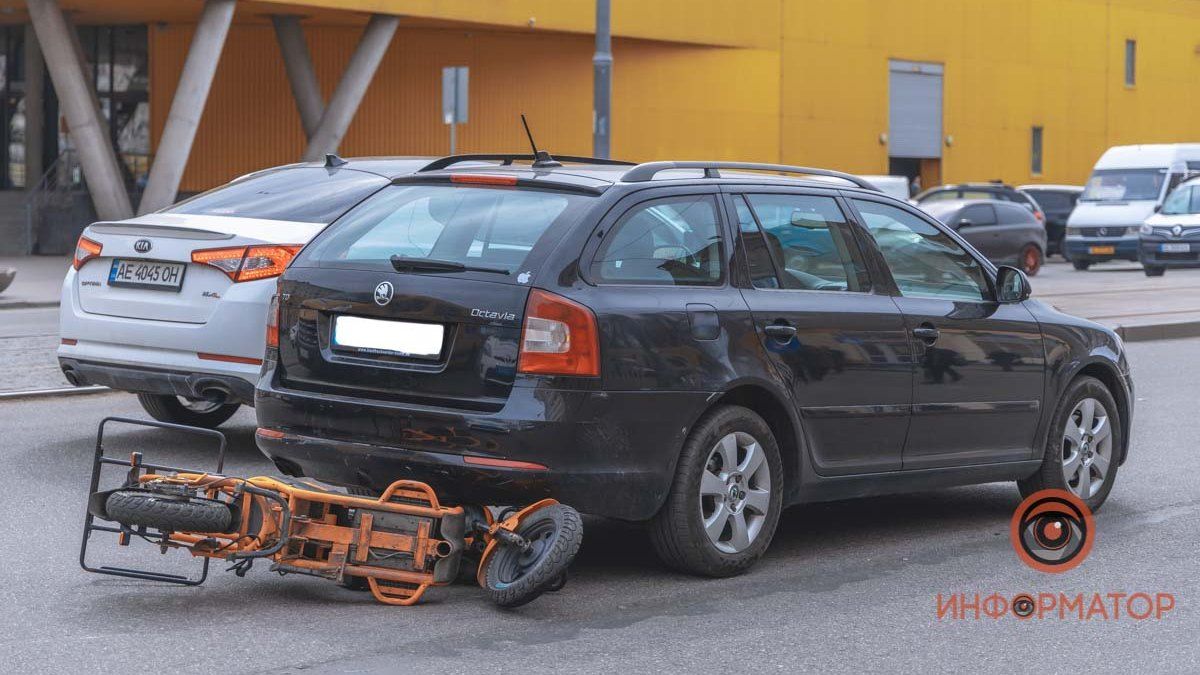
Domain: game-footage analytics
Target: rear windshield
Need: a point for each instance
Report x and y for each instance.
(1053, 200)
(302, 194)
(1122, 185)
(480, 227)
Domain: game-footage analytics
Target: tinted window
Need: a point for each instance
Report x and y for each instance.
(924, 261)
(671, 242)
(1053, 201)
(762, 269)
(978, 214)
(938, 196)
(495, 228)
(810, 243)
(1115, 185)
(308, 195)
(1012, 214)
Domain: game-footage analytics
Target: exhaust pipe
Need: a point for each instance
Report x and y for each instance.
(217, 393)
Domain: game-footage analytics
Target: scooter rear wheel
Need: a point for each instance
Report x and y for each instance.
(168, 513)
(515, 577)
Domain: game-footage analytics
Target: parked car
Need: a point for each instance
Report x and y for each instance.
(675, 362)
(1006, 233)
(993, 190)
(1171, 237)
(172, 305)
(1127, 184)
(1057, 201)
(893, 186)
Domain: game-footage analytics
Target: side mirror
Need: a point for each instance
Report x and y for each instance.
(1011, 285)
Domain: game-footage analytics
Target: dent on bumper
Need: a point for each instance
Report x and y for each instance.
(605, 453)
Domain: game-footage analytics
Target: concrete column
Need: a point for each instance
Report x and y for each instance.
(300, 72)
(77, 101)
(175, 146)
(35, 86)
(353, 85)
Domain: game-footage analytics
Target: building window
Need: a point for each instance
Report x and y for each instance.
(1035, 164)
(12, 107)
(1130, 63)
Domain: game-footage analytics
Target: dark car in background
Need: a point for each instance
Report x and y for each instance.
(696, 345)
(1006, 233)
(1057, 201)
(991, 190)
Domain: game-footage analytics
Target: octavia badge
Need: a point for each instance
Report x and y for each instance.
(142, 246)
(383, 293)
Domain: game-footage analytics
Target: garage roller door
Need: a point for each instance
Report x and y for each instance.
(915, 119)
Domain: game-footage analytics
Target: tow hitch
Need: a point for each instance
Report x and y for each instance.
(397, 545)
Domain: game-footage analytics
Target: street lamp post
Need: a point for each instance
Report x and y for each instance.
(602, 82)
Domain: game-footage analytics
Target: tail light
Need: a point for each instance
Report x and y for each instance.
(559, 337)
(85, 250)
(273, 323)
(248, 263)
(1040, 216)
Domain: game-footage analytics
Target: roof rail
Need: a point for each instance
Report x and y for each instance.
(645, 172)
(507, 160)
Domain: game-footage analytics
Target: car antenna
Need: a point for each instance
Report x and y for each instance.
(541, 158)
(332, 161)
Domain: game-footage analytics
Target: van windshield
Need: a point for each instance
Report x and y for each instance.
(476, 227)
(1124, 185)
(1184, 200)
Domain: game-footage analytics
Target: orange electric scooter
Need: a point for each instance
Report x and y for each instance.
(397, 545)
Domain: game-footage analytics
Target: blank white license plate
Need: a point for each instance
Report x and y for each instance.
(146, 274)
(375, 336)
(1174, 248)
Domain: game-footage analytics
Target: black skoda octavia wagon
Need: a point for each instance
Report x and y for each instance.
(693, 344)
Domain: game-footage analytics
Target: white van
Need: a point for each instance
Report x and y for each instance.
(1127, 185)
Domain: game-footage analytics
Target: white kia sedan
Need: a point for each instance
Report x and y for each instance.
(172, 306)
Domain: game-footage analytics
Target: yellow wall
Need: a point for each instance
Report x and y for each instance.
(798, 81)
(1009, 65)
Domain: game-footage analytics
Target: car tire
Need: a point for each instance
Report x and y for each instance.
(1031, 259)
(741, 518)
(174, 410)
(1153, 271)
(1064, 446)
(1081, 265)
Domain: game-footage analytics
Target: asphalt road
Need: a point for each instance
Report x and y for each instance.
(846, 586)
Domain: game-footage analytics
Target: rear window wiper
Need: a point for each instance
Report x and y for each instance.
(403, 264)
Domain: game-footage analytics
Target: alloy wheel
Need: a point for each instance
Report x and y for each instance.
(1087, 448)
(735, 492)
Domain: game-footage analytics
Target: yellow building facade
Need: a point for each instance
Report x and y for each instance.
(791, 81)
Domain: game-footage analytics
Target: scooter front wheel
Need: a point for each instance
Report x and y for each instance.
(515, 577)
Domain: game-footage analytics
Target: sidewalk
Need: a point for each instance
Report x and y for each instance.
(38, 282)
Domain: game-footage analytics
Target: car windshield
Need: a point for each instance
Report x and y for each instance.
(301, 194)
(1184, 200)
(450, 226)
(1123, 185)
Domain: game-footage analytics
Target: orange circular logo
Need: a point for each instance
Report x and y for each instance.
(1052, 531)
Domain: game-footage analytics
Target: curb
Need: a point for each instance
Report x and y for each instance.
(1159, 331)
(52, 393)
(28, 304)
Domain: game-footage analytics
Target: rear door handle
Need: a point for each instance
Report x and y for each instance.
(926, 332)
(780, 331)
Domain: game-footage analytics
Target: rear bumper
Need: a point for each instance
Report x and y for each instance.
(234, 388)
(605, 453)
(1150, 254)
(1080, 248)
